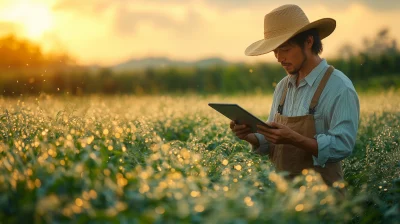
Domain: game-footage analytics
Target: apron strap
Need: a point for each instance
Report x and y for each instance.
(319, 90)
(283, 97)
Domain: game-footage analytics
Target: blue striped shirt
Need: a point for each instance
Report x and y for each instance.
(336, 117)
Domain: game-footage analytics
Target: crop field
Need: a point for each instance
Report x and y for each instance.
(170, 159)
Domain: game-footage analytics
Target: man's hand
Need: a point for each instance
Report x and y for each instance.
(243, 132)
(240, 130)
(285, 135)
(281, 135)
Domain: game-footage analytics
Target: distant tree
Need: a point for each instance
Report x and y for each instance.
(347, 51)
(381, 44)
(19, 53)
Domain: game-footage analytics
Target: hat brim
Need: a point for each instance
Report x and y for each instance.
(324, 26)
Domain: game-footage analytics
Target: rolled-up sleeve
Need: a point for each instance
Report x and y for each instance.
(339, 141)
(263, 148)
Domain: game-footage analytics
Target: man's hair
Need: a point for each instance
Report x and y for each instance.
(300, 40)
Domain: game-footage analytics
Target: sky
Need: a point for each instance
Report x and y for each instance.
(107, 32)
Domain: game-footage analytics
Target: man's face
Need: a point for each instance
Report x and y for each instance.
(291, 57)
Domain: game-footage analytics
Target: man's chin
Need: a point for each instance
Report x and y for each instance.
(292, 72)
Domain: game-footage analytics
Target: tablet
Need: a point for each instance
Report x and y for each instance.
(239, 115)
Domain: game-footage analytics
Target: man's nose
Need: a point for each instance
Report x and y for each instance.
(279, 57)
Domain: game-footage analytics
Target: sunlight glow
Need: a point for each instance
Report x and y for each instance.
(35, 18)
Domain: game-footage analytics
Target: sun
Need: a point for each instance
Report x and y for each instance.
(36, 19)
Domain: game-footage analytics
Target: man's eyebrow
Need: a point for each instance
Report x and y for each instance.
(284, 45)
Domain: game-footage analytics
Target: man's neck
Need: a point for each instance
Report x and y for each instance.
(308, 66)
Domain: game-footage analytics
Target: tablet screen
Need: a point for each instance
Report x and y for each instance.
(238, 114)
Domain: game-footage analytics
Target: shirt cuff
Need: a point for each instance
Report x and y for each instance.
(324, 143)
(263, 148)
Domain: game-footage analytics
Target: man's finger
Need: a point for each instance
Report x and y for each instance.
(246, 130)
(266, 129)
(271, 140)
(243, 130)
(232, 124)
(266, 134)
(239, 127)
(275, 124)
(269, 137)
(241, 136)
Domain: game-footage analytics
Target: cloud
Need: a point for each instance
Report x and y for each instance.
(108, 31)
(373, 4)
(382, 5)
(87, 7)
(226, 5)
(127, 21)
(100, 6)
(129, 15)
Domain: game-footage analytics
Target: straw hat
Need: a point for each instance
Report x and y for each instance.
(285, 22)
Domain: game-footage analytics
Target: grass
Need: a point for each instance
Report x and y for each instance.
(172, 159)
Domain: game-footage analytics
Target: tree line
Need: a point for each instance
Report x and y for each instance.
(26, 70)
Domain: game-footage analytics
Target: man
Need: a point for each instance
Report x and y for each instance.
(315, 108)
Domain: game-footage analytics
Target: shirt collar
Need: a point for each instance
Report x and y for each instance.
(312, 76)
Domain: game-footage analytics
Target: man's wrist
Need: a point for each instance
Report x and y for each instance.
(296, 139)
(253, 140)
(308, 144)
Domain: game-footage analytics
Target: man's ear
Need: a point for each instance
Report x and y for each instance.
(309, 42)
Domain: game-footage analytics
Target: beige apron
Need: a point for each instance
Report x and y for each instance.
(289, 158)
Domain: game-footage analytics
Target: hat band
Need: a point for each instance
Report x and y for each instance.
(279, 32)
